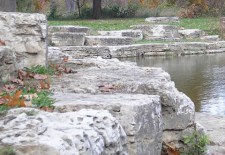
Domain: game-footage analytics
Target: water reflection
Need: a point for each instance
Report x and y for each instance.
(201, 77)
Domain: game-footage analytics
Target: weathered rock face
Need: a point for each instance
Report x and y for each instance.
(26, 34)
(211, 38)
(7, 63)
(162, 19)
(85, 132)
(158, 32)
(177, 108)
(135, 34)
(139, 115)
(107, 40)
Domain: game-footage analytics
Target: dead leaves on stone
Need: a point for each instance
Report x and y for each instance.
(171, 150)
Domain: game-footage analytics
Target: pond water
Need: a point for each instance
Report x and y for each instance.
(201, 77)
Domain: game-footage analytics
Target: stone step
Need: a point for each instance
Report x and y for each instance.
(211, 38)
(162, 19)
(191, 33)
(163, 31)
(67, 39)
(139, 115)
(135, 34)
(68, 28)
(152, 49)
(107, 40)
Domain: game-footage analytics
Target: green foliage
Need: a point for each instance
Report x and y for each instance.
(3, 109)
(197, 143)
(43, 100)
(39, 69)
(7, 151)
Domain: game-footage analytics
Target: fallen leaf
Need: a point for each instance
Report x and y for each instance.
(22, 74)
(172, 150)
(15, 100)
(40, 77)
(44, 85)
(48, 109)
(65, 59)
(69, 70)
(18, 81)
(2, 43)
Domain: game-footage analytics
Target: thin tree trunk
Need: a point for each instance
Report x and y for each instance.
(8, 5)
(97, 9)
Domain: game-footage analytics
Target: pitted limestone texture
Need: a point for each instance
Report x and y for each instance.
(85, 132)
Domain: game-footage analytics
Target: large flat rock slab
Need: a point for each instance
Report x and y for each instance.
(26, 35)
(67, 39)
(191, 33)
(107, 40)
(68, 28)
(135, 34)
(158, 32)
(84, 132)
(215, 129)
(154, 20)
(139, 115)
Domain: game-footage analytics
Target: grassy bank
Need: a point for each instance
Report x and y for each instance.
(210, 25)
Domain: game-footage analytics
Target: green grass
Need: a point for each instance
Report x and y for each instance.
(210, 25)
(40, 70)
(107, 24)
(43, 100)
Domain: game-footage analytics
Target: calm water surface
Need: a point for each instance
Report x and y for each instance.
(201, 77)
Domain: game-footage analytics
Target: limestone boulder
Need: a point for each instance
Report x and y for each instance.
(85, 132)
(162, 19)
(139, 115)
(107, 40)
(191, 33)
(26, 34)
(67, 39)
(135, 34)
(177, 108)
(158, 32)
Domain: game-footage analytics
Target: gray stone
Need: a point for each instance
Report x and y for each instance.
(86, 51)
(32, 132)
(7, 63)
(162, 19)
(139, 115)
(68, 28)
(135, 34)
(177, 108)
(191, 33)
(214, 126)
(26, 35)
(107, 40)
(67, 39)
(210, 38)
(158, 32)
